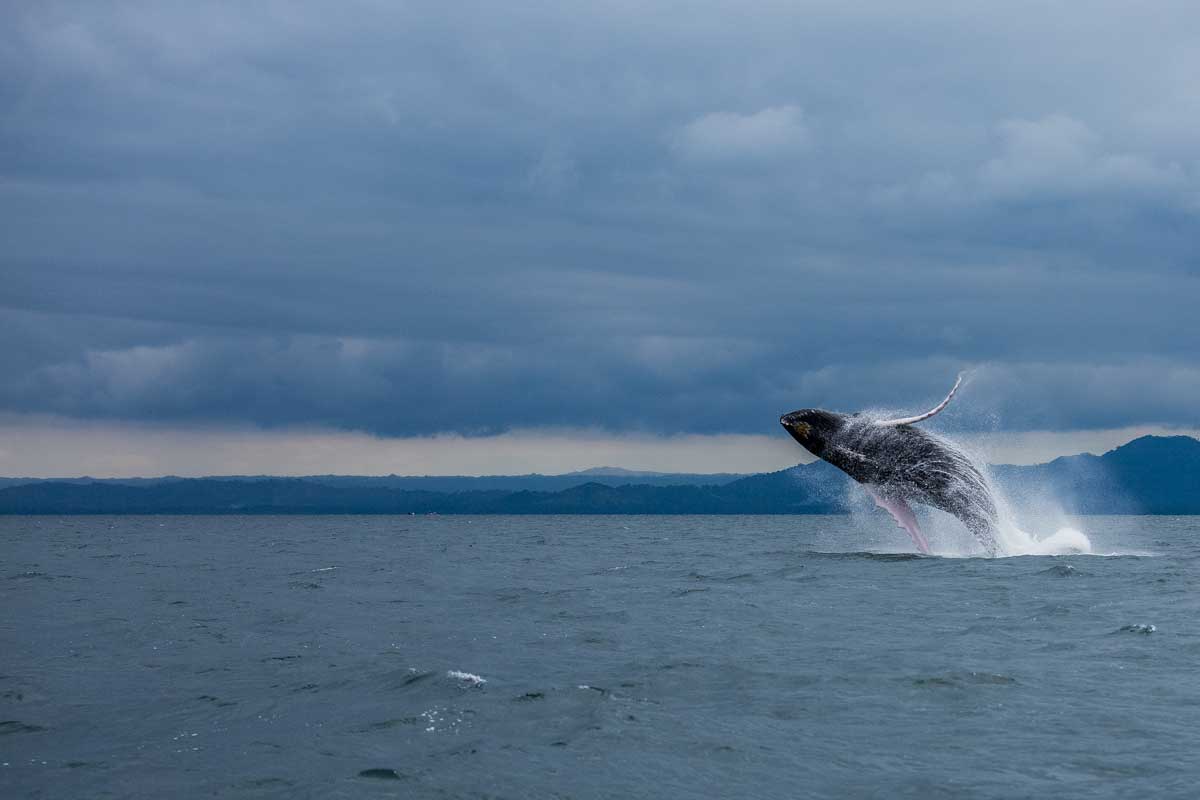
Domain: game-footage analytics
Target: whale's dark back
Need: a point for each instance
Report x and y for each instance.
(917, 465)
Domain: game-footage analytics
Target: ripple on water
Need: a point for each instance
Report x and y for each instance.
(1062, 571)
(381, 774)
(1051, 610)
(270, 782)
(963, 680)
(404, 678)
(387, 724)
(31, 575)
(864, 555)
(304, 585)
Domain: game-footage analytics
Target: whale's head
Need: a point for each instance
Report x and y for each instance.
(814, 428)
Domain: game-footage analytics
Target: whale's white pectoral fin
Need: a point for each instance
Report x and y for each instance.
(931, 412)
(904, 516)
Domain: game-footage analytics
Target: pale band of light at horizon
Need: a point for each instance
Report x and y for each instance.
(54, 447)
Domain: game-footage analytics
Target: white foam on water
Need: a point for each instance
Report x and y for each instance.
(466, 677)
(1064, 541)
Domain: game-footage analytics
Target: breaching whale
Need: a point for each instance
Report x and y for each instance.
(901, 464)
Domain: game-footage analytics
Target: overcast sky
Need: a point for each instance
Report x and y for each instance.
(660, 224)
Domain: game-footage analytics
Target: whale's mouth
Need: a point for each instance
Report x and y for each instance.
(798, 428)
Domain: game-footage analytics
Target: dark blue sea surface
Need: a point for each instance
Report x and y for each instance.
(590, 657)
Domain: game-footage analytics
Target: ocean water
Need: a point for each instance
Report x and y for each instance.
(591, 657)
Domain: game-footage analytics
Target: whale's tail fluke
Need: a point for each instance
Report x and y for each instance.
(931, 412)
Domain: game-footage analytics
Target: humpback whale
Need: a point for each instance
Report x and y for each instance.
(900, 464)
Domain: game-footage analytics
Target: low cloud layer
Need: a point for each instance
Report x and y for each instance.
(653, 221)
(42, 446)
(768, 135)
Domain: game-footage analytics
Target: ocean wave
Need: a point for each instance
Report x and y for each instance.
(466, 677)
(864, 554)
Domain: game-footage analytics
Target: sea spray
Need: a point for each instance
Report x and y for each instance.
(1029, 521)
(1029, 507)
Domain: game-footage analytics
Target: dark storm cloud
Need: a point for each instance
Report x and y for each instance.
(409, 220)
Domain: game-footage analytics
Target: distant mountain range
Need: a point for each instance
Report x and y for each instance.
(1150, 475)
(608, 476)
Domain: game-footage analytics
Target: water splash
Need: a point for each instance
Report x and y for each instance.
(1064, 541)
(1052, 532)
(1027, 522)
(1032, 523)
